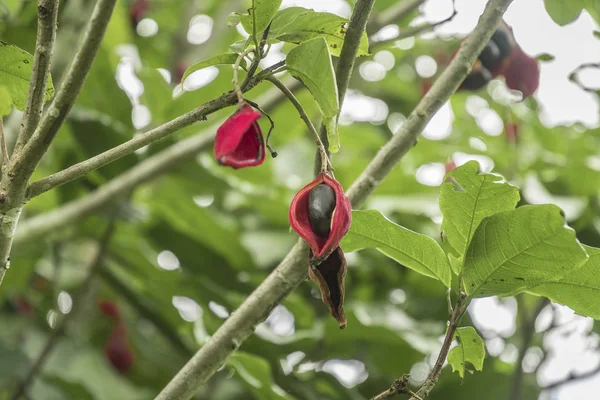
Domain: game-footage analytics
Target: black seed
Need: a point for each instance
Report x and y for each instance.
(321, 203)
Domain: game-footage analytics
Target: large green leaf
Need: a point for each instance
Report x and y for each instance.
(264, 11)
(564, 12)
(421, 253)
(15, 72)
(580, 290)
(256, 373)
(225, 58)
(298, 24)
(516, 250)
(470, 349)
(310, 63)
(467, 198)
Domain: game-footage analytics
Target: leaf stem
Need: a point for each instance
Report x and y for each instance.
(236, 84)
(325, 162)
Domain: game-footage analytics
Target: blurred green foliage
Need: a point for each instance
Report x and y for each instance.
(221, 231)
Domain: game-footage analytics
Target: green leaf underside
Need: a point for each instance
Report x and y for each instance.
(225, 58)
(564, 12)
(15, 73)
(470, 349)
(467, 198)
(517, 250)
(265, 10)
(298, 24)
(579, 290)
(5, 101)
(370, 229)
(310, 62)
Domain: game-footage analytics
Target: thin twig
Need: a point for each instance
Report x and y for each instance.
(435, 372)
(24, 162)
(77, 303)
(83, 168)
(5, 157)
(44, 48)
(236, 84)
(325, 162)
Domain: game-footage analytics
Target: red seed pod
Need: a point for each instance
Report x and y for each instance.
(239, 142)
(522, 72)
(338, 216)
(117, 350)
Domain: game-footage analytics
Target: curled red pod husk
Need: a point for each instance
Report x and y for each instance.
(239, 142)
(322, 243)
(329, 275)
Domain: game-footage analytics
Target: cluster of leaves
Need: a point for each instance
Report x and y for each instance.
(221, 231)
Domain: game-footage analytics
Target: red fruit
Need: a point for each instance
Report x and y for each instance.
(138, 10)
(239, 142)
(109, 309)
(304, 208)
(117, 350)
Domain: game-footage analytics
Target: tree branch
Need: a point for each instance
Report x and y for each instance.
(98, 161)
(146, 170)
(44, 48)
(25, 161)
(345, 64)
(77, 303)
(406, 136)
(14, 178)
(435, 372)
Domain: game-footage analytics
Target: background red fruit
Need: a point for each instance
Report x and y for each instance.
(118, 351)
(109, 309)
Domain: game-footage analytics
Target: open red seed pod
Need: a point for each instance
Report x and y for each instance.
(339, 225)
(239, 142)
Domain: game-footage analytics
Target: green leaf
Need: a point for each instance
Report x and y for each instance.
(596, 34)
(5, 101)
(467, 198)
(333, 135)
(580, 290)
(15, 72)
(470, 349)
(256, 373)
(225, 58)
(298, 24)
(310, 62)
(545, 57)
(370, 229)
(265, 10)
(564, 12)
(517, 250)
